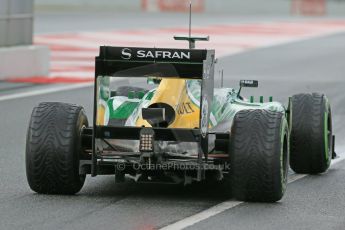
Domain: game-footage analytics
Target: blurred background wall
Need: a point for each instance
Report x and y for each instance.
(18, 57)
(16, 22)
(235, 7)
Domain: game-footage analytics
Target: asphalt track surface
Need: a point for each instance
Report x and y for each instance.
(313, 202)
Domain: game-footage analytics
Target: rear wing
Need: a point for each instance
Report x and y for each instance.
(164, 63)
(156, 62)
(183, 63)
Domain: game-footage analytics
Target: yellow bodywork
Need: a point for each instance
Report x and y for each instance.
(100, 115)
(174, 93)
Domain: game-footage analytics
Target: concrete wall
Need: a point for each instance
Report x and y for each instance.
(16, 26)
(24, 61)
(16, 21)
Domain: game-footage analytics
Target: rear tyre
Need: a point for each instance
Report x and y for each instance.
(311, 133)
(53, 148)
(259, 151)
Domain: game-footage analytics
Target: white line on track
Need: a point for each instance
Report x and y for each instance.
(45, 91)
(226, 205)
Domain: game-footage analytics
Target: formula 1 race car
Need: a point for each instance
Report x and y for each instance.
(158, 118)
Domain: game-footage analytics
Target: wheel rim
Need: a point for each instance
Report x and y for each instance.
(284, 162)
(328, 135)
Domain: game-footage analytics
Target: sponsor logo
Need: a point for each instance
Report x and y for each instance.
(249, 82)
(126, 54)
(185, 108)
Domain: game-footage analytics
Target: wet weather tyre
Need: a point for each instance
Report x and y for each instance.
(53, 148)
(311, 133)
(259, 152)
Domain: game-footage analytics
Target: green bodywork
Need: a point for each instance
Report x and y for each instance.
(226, 103)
